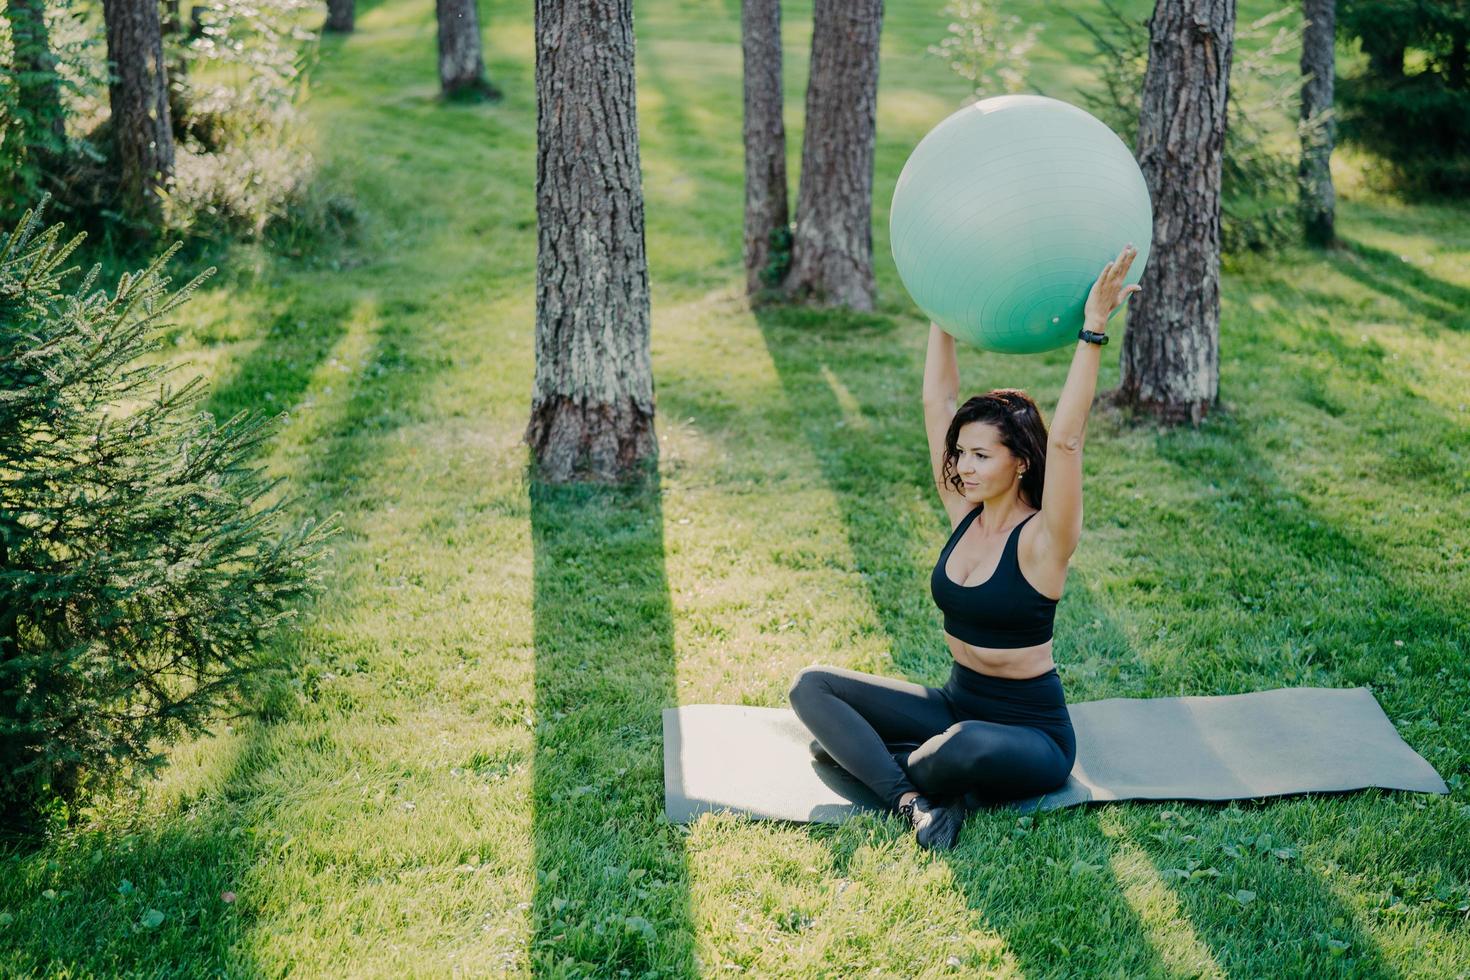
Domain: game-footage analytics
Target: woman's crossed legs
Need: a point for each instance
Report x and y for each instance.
(854, 715)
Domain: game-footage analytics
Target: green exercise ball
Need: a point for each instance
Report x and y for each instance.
(1005, 214)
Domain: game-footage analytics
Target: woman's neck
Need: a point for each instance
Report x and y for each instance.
(1003, 512)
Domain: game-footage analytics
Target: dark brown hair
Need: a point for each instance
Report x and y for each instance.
(1021, 431)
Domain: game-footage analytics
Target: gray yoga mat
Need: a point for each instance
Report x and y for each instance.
(1234, 746)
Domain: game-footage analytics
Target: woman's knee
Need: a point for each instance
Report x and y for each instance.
(808, 680)
(1023, 764)
(971, 747)
(985, 750)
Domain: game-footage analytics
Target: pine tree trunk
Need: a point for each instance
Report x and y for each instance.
(141, 126)
(1171, 349)
(1319, 131)
(461, 63)
(767, 213)
(592, 402)
(38, 90)
(339, 16)
(832, 254)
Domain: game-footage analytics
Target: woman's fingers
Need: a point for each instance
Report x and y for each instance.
(1116, 271)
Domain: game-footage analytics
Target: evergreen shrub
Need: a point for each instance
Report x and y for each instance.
(144, 580)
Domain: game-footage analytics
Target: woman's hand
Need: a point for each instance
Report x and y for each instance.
(1106, 295)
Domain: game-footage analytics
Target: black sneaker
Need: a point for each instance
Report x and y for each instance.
(936, 828)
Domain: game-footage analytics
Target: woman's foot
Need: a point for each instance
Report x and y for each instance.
(936, 828)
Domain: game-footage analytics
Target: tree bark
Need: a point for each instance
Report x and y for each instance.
(141, 127)
(461, 62)
(38, 89)
(1171, 349)
(592, 402)
(1319, 129)
(767, 212)
(832, 254)
(340, 15)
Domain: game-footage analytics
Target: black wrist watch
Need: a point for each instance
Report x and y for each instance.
(1092, 338)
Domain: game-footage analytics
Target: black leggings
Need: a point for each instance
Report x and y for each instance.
(995, 738)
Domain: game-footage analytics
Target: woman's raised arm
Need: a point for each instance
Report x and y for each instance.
(1061, 499)
(941, 392)
(941, 371)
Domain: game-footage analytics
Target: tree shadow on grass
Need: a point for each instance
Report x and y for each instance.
(81, 904)
(1313, 590)
(1440, 302)
(279, 368)
(1315, 608)
(612, 884)
(711, 172)
(1388, 407)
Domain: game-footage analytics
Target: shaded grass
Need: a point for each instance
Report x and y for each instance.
(466, 776)
(612, 886)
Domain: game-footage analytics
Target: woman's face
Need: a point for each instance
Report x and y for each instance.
(984, 464)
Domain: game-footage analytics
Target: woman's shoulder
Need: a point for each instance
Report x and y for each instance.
(959, 511)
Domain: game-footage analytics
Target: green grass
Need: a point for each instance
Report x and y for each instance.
(469, 781)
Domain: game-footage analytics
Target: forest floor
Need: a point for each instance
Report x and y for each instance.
(468, 777)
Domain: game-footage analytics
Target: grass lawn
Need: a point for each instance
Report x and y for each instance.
(468, 779)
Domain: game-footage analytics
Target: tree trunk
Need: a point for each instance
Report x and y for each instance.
(1318, 126)
(832, 255)
(339, 16)
(38, 90)
(592, 402)
(767, 214)
(138, 94)
(461, 63)
(1171, 349)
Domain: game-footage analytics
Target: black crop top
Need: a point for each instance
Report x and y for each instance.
(1003, 611)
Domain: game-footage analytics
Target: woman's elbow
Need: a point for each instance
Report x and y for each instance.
(1066, 443)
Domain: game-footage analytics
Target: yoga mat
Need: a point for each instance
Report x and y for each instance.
(1233, 746)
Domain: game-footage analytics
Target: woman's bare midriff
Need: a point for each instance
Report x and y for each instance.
(1019, 663)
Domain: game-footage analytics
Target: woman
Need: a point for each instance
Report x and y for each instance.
(998, 729)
